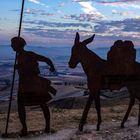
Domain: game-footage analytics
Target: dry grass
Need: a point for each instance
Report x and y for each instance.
(64, 118)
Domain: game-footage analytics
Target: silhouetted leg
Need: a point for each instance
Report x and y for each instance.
(98, 109)
(86, 110)
(52, 90)
(139, 116)
(46, 113)
(131, 103)
(22, 117)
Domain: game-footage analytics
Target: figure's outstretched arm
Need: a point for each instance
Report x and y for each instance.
(47, 60)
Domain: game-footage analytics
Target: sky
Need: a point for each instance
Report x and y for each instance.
(55, 22)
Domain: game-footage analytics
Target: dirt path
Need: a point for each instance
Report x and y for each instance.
(65, 122)
(109, 131)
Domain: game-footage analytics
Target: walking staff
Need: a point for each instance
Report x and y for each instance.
(14, 72)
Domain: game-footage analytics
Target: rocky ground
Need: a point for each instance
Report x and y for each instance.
(64, 123)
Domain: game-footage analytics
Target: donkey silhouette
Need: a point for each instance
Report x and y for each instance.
(96, 70)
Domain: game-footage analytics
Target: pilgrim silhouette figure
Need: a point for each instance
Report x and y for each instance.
(33, 89)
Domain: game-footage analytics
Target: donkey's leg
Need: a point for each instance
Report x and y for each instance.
(85, 113)
(131, 103)
(139, 115)
(22, 116)
(98, 108)
(46, 113)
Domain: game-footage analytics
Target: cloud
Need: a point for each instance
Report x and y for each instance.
(35, 1)
(38, 2)
(107, 1)
(35, 12)
(83, 17)
(62, 4)
(124, 13)
(51, 33)
(56, 36)
(115, 3)
(32, 11)
(121, 3)
(109, 30)
(90, 10)
(125, 28)
(57, 32)
(58, 24)
(38, 11)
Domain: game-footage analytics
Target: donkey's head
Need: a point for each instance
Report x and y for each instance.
(78, 50)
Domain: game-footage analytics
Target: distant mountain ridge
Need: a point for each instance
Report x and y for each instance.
(56, 53)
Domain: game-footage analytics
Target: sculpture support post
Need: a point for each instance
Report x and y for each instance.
(14, 72)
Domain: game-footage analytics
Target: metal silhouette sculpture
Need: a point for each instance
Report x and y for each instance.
(122, 59)
(101, 73)
(33, 89)
(14, 72)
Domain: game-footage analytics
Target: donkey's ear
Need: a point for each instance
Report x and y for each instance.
(77, 38)
(89, 40)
